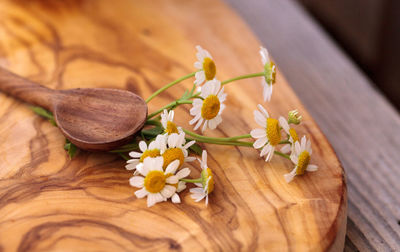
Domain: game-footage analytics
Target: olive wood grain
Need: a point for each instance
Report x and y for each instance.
(49, 202)
(91, 118)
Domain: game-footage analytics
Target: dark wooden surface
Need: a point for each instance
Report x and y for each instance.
(359, 122)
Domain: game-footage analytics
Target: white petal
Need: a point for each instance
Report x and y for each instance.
(181, 186)
(132, 166)
(136, 181)
(139, 169)
(158, 163)
(260, 142)
(200, 77)
(171, 115)
(284, 124)
(204, 157)
(198, 124)
(270, 154)
(190, 159)
(206, 90)
(175, 199)
(135, 154)
(312, 168)
(222, 96)
(297, 148)
(303, 143)
(172, 180)
(264, 55)
(183, 173)
(267, 93)
(265, 150)
(286, 148)
(195, 119)
(181, 139)
(168, 191)
(171, 168)
(152, 199)
(263, 110)
(173, 140)
(141, 193)
(142, 146)
(198, 65)
(294, 159)
(258, 133)
(204, 126)
(308, 147)
(289, 176)
(212, 124)
(221, 109)
(187, 145)
(260, 118)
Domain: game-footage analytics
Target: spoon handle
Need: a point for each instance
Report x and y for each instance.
(26, 90)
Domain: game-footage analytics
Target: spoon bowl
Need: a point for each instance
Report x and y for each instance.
(95, 119)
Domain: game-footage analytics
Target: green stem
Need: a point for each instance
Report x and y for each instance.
(191, 180)
(246, 76)
(284, 142)
(218, 139)
(235, 143)
(282, 154)
(172, 104)
(169, 85)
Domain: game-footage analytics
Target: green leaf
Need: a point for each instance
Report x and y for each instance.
(126, 148)
(185, 95)
(196, 149)
(153, 131)
(44, 113)
(124, 156)
(70, 148)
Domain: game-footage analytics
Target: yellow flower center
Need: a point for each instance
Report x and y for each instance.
(154, 182)
(211, 107)
(171, 128)
(149, 153)
(294, 135)
(207, 175)
(273, 131)
(209, 68)
(171, 155)
(304, 159)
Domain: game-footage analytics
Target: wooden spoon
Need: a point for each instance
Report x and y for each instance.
(96, 119)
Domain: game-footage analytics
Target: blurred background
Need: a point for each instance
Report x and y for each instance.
(369, 32)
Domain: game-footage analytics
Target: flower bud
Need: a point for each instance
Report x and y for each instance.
(294, 117)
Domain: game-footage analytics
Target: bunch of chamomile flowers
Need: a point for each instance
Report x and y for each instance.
(159, 161)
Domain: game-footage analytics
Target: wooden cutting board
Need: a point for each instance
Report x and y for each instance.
(49, 202)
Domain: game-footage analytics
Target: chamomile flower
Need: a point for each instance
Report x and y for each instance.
(155, 148)
(167, 121)
(291, 132)
(301, 158)
(269, 74)
(209, 108)
(177, 150)
(155, 183)
(206, 186)
(205, 65)
(268, 136)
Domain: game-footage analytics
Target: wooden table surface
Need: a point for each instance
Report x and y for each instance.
(359, 122)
